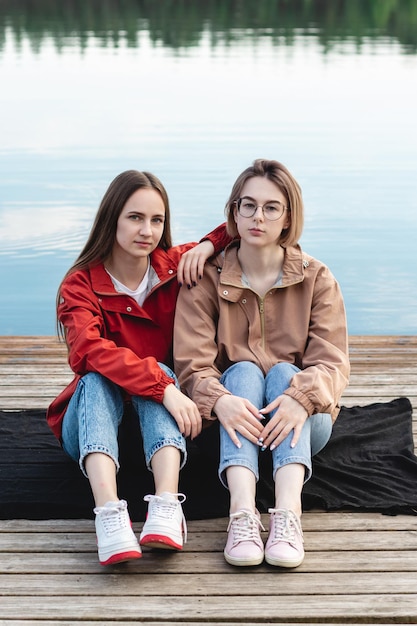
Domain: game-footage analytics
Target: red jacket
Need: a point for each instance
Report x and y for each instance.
(109, 333)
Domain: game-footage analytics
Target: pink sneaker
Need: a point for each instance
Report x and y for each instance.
(284, 547)
(244, 544)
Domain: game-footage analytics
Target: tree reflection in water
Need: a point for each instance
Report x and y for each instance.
(181, 24)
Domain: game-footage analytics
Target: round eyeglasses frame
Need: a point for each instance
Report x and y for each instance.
(251, 212)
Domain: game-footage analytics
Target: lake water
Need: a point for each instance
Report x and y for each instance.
(194, 94)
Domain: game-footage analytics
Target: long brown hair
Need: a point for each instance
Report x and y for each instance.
(278, 174)
(102, 236)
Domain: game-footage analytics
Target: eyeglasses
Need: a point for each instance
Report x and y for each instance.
(272, 210)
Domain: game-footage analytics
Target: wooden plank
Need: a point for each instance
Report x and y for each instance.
(139, 622)
(209, 562)
(201, 541)
(256, 584)
(340, 521)
(237, 608)
(33, 370)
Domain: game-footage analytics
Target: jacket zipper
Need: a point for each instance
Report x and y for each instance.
(262, 314)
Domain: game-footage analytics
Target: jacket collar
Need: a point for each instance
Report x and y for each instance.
(162, 269)
(100, 280)
(293, 268)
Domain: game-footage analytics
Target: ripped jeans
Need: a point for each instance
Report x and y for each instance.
(91, 422)
(246, 380)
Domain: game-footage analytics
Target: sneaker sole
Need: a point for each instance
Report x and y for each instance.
(121, 557)
(243, 562)
(281, 563)
(160, 541)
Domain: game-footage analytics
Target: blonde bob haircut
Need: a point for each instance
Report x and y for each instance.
(286, 183)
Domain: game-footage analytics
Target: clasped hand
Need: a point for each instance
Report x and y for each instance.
(239, 415)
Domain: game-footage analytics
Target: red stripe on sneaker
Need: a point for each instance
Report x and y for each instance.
(160, 541)
(121, 557)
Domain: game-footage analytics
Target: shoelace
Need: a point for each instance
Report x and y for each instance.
(162, 507)
(245, 526)
(113, 517)
(285, 524)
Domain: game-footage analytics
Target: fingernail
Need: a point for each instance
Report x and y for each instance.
(180, 284)
(194, 283)
(273, 447)
(239, 445)
(188, 286)
(260, 440)
(200, 277)
(263, 448)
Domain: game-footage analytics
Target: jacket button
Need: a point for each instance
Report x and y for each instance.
(128, 309)
(225, 292)
(170, 271)
(244, 301)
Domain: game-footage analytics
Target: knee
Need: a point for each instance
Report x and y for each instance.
(282, 372)
(100, 395)
(245, 368)
(169, 372)
(321, 430)
(279, 378)
(285, 369)
(245, 379)
(96, 380)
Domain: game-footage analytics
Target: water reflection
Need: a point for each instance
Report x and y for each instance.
(195, 93)
(182, 24)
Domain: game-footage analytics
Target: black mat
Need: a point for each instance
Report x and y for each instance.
(368, 465)
(369, 462)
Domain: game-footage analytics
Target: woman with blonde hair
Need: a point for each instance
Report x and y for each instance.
(261, 347)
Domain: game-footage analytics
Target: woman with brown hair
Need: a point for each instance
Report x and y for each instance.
(115, 310)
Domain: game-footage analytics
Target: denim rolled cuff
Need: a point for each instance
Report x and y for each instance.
(242, 462)
(178, 442)
(294, 459)
(92, 449)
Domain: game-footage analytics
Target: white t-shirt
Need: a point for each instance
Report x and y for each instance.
(139, 294)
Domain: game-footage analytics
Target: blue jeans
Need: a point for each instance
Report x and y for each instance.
(91, 422)
(246, 380)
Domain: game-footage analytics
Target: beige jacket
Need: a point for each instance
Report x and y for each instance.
(302, 321)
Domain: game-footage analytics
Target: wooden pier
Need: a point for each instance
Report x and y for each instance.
(359, 567)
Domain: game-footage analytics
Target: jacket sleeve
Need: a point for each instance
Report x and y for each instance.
(218, 237)
(90, 351)
(195, 347)
(325, 364)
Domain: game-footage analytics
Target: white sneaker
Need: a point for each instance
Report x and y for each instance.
(116, 540)
(165, 525)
